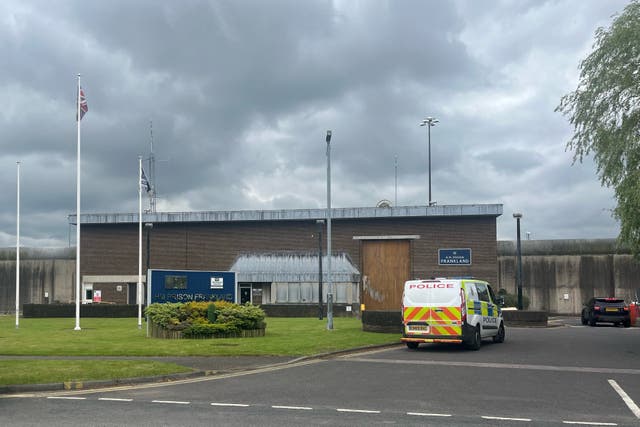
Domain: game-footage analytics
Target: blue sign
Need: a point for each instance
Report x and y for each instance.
(454, 256)
(189, 285)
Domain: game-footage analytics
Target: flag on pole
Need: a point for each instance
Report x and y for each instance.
(144, 182)
(83, 104)
(81, 109)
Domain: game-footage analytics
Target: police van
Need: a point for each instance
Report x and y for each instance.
(444, 310)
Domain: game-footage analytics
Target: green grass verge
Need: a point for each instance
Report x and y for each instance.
(121, 337)
(58, 371)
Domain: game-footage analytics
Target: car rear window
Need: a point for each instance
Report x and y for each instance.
(610, 300)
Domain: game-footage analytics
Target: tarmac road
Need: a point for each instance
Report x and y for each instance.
(567, 375)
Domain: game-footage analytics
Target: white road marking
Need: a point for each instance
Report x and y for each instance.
(589, 423)
(240, 405)
(625, 398)
(295, 408)
(66, 398)
(422, 414)
(488, 417)
(172, 402)
(358, 411)
(498, 366)
(115, 399)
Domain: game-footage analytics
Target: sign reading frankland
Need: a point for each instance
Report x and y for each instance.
(454, 256)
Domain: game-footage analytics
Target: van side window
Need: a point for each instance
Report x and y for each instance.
(472, 293)
(483, 292)
(493, 295)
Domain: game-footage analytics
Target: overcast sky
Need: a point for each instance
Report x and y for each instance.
(241, 93)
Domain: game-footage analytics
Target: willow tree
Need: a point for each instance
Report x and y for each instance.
(605, 113)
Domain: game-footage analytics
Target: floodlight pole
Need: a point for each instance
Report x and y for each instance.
(429, 122)
(320, 224)
(518, 216)
(18, 246)
(329, 278)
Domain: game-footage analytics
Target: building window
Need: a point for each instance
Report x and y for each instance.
(175, 282)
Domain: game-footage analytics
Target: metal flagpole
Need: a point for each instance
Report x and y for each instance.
(78, 119)
(18, 247)
(395, 200)
(139, 287)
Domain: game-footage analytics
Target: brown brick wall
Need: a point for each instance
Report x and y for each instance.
(110, 293)
(113, 249)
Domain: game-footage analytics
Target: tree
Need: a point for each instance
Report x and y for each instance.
(605, 113)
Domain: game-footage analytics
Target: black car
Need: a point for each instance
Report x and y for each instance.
(612, 310)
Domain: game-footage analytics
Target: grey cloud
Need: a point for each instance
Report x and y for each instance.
(241, 92)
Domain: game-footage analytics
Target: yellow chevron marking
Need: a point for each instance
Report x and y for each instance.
(446, 330)
(415, 313)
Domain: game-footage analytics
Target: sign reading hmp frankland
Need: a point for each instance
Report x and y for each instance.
(454, 256)
(189, 285)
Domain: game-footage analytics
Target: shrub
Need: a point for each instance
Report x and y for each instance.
(212, 313)
(210, 330)
(195, 310)
(243, 316)
(164, 315)
(511, 300)
(207, 319)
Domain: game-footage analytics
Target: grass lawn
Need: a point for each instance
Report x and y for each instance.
(121, 337)
(58, 371)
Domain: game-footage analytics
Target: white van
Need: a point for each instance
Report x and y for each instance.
(450, 311)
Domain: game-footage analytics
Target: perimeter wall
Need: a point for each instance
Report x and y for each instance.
(558, 275)
(46, 276)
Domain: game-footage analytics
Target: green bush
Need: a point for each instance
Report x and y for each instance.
(212, 313)
(206, 319)
(210, 330)
(164, 315)
(511, 300)
(243, 316)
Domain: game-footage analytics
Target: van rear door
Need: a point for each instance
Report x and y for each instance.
(434, 307)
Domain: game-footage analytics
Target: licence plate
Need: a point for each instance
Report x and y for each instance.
(418, 328)
(610, 309)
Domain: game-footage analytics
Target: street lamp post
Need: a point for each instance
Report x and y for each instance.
(320, 224)
(429, 122)
(329, 279)
(149, 227)
(518, 216)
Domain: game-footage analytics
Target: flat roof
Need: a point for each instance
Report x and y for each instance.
(295, 267)
(491, 210)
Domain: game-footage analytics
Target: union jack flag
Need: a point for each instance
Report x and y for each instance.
(83, 105)
(144, 182)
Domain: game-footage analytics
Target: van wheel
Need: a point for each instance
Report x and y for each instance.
(499, 337)
(476, 341)
(412, 345)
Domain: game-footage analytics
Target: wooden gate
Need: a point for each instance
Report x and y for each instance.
(385, 267)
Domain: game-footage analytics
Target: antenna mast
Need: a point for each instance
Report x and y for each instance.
(152, 172)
